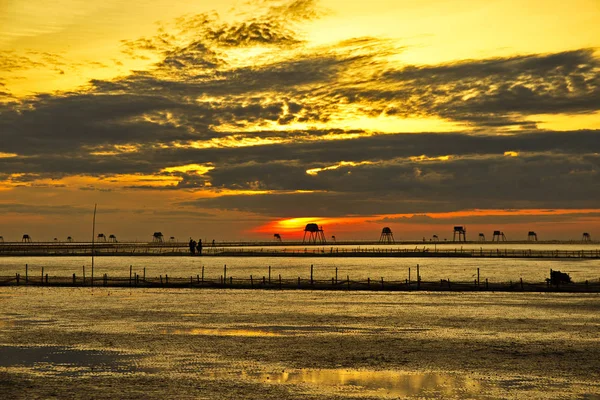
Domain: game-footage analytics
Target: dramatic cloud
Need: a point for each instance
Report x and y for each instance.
(263, 112)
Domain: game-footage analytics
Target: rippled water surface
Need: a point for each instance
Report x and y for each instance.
(391, 269)
(239, 344)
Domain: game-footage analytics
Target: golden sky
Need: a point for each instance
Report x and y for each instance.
(223, 119)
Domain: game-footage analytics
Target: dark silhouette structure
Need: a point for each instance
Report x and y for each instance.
(199, 247)
(315, 234)
(586, 237)
(69, 239)
(498, 235)
(192, 245)
(435, 238)
(26, 238)
(101, 237)
(112, 239)
(386, 236)
(532, 236)
(172, 239)
(462, 234)
(557, 277)
(277, 237)
(157, 237)
(1, 239)
(333, 238)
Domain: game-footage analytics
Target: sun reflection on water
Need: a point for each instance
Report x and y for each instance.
(219, 332)
(379, 383)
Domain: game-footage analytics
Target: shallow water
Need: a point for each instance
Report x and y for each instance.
(240, 344)
(391, 269)
(377, 383)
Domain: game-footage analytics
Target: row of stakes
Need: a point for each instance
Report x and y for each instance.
(134, 279)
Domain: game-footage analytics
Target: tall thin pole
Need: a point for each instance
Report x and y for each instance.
(93, 237)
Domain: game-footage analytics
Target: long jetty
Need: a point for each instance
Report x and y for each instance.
(299, 249)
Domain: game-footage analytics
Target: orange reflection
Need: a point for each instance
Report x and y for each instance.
(220, 332)
(379, 383)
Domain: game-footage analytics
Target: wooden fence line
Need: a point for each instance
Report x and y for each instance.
(298, 283)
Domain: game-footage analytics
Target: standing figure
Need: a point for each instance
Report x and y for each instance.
(192, 246)
(199, 247)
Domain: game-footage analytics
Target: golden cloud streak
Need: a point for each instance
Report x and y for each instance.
(315, 171)
(197, 168)
(423, 157)
(7, 155)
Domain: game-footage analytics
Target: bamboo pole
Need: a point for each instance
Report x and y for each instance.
(93, 240)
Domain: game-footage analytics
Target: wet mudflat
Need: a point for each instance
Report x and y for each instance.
(222, 344)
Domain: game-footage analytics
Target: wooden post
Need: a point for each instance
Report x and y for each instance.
(269, 274)
(83, 268)
(73, 278)
(251, 282)
(144, 274)
(225, 273)
(521, 283)
(298, 282)
(93, 238)
(486, 283)
(332, 282)
(42, 274)
(409, 275)
(130, 272)
(166, 279)
(311, 274)
(418, 278)
(348, 280)
(46, 279)
(279, 281)
(336, 274)
(17, 277)
(26, 274)
(203, 274)
(264, 281)
(382, 282)
(369, 282)
(477, 277)
(161, 282)
(197, 278)
(230, 280)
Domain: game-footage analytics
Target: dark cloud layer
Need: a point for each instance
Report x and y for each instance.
(198, 97)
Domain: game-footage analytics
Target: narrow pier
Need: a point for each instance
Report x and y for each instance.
(257, 249)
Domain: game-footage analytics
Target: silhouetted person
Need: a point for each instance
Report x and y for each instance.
(213, 244)
(192, 246)
(199, 247)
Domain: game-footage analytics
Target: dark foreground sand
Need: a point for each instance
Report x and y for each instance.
(221, 344)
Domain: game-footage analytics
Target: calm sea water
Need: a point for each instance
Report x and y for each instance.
(391, 269)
